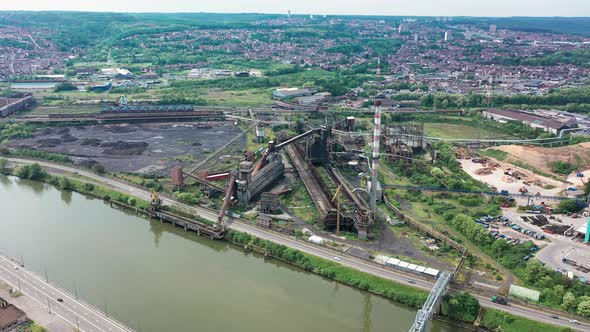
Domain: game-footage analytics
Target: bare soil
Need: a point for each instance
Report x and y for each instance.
(541, 158)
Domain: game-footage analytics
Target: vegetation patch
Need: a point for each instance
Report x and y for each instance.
(495, 153)
(496, 320)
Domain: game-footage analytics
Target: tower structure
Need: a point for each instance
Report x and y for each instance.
(375, 157)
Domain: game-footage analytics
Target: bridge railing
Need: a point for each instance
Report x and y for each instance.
(430, 307)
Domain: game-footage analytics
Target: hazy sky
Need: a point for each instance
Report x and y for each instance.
(361, 7)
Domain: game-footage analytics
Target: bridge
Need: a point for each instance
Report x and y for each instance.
(430, 307)
(79, 314)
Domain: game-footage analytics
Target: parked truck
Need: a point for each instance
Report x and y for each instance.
(500, 300)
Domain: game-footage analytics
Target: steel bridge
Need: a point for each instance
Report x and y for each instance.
(430, 307)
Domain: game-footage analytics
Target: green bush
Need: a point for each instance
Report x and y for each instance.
(462, 307)
(496, 320)
(31, 172)
(65, 184)
(570, 206)
(562, 167)
(88, 187)
(37, 154)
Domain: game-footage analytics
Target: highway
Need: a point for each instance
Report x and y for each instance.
(533, 313)
(78, 314)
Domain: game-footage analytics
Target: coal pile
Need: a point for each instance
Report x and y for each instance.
(46, 132)
(87, 163)
(121, 129)
(67, 138)
(49, 142)
(539, 220)
(90, 142)
(122, 148)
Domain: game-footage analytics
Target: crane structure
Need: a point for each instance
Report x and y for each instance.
(338, 203)
(156, 202)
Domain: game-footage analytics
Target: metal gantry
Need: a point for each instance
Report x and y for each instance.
(432, 303)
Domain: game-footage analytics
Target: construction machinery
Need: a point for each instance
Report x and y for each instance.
(156, 202)
(227, 199)
(337, 199)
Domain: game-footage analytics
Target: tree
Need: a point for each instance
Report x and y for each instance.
(65, 86)
(31, 172)
(569, 301)
(65, 183)
(3, 164)
(88, 186)
(569, 206)
(98, 168)
(584, 308)
(462, 306)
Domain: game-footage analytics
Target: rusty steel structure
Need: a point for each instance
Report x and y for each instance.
(313, 184)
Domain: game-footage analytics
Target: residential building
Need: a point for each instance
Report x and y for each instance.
(11, 317)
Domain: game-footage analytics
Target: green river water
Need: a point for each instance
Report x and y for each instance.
(154, 277)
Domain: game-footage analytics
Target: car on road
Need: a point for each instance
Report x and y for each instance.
(413, 282)
(337, 259)
(573, 321)
(554, 316)
(59, 299)
(16, 267)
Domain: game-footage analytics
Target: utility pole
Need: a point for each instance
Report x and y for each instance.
(75, 290)
(46, 276)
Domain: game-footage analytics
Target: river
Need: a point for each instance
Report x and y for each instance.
(154, 277)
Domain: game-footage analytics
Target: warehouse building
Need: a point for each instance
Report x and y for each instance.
(292, 93)
(15, 103)
(533, 120)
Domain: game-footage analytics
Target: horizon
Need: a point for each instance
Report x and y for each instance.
(416, 8)
(277, 13)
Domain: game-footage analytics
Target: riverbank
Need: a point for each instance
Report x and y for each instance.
(130, 266)
(357, 281)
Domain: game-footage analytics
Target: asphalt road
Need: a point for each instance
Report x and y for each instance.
(363, 265)
(75, 312)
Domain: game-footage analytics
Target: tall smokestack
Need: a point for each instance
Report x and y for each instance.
(375, 159)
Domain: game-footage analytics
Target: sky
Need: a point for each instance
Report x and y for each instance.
(327, 7)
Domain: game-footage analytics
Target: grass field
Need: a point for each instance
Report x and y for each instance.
(64, 110)
(450, 131)
(237, 98)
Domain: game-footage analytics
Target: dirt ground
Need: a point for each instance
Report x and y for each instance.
(497, 178)
(143, 148)
(540, 157)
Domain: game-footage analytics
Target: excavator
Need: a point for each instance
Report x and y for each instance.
(156, 202)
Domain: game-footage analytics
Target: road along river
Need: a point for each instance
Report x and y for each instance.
(154, 277)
